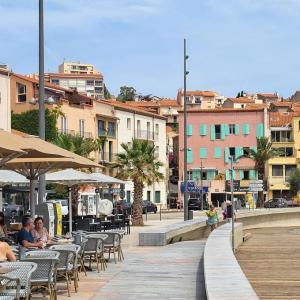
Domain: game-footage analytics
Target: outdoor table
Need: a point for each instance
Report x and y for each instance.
(94, 225)
(106, 224)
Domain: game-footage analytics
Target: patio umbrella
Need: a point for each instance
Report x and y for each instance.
(106, 179)
(70, 177)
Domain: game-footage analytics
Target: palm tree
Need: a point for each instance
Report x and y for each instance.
(294, 181)
(260, 156)
(139, 164)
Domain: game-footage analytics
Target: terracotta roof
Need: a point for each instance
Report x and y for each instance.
(224, 109)
(266, 95)
(277, 119)
(169, 102)
(200, 93)
(257, 105)
(61, 75)
(241, 100)
(142, 103)
(282, 104)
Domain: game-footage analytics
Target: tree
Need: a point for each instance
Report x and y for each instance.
(28, 122)
(126, 94)
(238, 95)
(294, 181)
(260, 156)
(107, 94)
(139, 164)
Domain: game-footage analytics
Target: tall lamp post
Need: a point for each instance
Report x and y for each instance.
(42, 182)
(186, 212)
(232, 202)
(201, 184)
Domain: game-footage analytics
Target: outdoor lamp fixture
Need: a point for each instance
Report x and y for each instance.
(33, 101)
(185, 73)
(50, 100)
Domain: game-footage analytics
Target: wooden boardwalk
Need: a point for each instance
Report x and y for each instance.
(271, 261)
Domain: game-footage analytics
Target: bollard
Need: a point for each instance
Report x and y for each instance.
(160, 211)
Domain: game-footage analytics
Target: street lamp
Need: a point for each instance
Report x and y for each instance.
(232, 202)
(186, 212)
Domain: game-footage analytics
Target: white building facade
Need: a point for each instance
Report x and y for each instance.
(5, 108)
(145, 126)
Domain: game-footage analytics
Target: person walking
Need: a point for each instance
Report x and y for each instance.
(213, 219)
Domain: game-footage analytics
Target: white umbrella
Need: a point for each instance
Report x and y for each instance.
(70, 177)
(105, 207)
(106, 179)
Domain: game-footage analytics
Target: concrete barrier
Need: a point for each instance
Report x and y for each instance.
(181, 231)
(224, 278)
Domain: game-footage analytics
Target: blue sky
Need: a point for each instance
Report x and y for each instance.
(251, 45)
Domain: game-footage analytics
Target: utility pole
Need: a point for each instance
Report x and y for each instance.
(42, 182)
(201, 185)
(232, 202)
(186, 212)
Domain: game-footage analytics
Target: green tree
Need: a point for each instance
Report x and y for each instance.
(28, 122)
(107, 94)
(260, 156)
(139, 164)
(238, 95)
(294, 181)
(126, 94)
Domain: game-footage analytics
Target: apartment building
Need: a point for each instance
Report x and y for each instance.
(5, 108)
(199, 99)
(213, 136)
(285, 135)
(71, 67)
(87, 84)
(240, 102)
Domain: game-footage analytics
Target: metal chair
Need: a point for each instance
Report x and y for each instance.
(113, 244)
(13, 283)
(73, 263)
(23, 271)
(81, 255)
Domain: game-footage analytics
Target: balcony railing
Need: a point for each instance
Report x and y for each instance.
(146, 135)
(108, 133)
(83, 134)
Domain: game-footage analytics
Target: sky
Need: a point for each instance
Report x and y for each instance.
(233, 45)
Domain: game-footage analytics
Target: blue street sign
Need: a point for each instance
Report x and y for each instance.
(193, 188)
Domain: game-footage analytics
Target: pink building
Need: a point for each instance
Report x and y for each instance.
(213, 136)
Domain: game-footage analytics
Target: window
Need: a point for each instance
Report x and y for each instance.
(148, 131)
(285, 152)
(156, 151)
(101, 128)
(111, 129)
(246, 150)
(128, 123)
(218, 132)
(128, 196)
(275, 136)
(110, 150)
(289, 169)
(81, 128)
(187, 99)
(90, 82)
(55, 81)
(98, 82)
(242, 105)
(277, 170)
(149, 195)
(174, 119)
(139, 133)
(281, 136)
(157, 196)
(98, 89)
(21, 90)
(63, 125)
(156, 129)
(232, 152)
(244, 175)
(198, 100)
(231, 128)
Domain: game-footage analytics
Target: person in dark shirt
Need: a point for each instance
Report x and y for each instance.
(25, 237)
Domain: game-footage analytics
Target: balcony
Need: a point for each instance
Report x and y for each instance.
(109, 133)
(84, 134)
(146, 135)
(278, 183)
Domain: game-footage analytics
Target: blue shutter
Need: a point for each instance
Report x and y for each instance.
(252, 174)
(202, 129)
(203, 152)
(189, 129)
(223, 131)
(241, 175)
(259, 130)
(189, 156)
(226, 155)
(226, 126)
(217, 152)
(246, 129)
(233, 175)
(212, 132)
(210, 175)
(227, 175)
(237, 129)
(238, 152)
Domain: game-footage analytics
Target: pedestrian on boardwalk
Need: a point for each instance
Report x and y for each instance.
(213, 219)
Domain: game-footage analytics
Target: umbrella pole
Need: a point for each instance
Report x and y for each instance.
(1, 198)
(70, 209)
(32, 195)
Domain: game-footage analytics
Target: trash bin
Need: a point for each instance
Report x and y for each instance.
(190, 215)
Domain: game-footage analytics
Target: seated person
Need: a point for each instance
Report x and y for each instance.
(25, 237)
(40, 233)
(3, 229)
(6, 253)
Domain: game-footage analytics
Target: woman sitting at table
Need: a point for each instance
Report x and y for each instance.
(6, 253)
(40, 233)
(3, 228)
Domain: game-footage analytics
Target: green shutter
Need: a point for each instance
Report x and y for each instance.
(210, 175)
(226, 155)
(202, 129)
(227, 175)
(237, 129)
(189, 156)
(195, 175)
(252, 174)
(241, 175)
(189, 129)
(223, 131)
(254, 148)
(236, 152)
(246, 129)
(226, 126)
(259, 130)
(217, 152)
(203, 152)
(212, 132)
(233, 175)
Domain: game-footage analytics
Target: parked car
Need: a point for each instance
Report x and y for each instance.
(195, 204)
(148, 206)
(292, 202)
(276, 203)
(64, 205)
(11, 210)
(124, 205)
